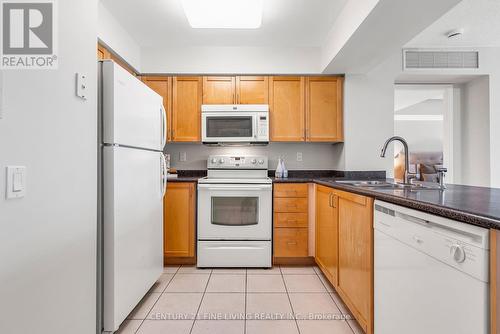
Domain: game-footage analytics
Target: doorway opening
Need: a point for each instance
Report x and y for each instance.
(424, 116)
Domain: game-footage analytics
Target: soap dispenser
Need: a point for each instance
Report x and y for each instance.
(279, 169)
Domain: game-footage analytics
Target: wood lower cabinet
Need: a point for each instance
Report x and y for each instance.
(186, 109)
(324, 109)
(287, 109)
(290, 242)
(163, 86)
(344, 248)
(326, 254)
(290, 221)
(179, 212)
(355, 251)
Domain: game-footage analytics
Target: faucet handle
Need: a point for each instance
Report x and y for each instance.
(441, 174)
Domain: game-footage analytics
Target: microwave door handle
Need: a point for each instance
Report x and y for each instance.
(255, 127)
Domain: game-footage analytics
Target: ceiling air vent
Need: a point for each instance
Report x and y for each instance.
(428, 59)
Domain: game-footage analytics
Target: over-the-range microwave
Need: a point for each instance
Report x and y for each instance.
(235, 124)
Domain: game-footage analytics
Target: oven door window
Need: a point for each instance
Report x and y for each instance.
(229, 127)
(235, 211)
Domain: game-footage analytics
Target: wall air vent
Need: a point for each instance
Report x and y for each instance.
(439, 59)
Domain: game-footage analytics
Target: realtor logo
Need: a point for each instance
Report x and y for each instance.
(28, 34)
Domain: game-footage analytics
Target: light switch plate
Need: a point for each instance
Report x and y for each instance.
(81, 86)
(16, 182)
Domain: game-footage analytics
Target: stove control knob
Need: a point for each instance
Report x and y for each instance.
(214, 160)
(221, 160)
(458, 253)
(261, 162)
(254, 161)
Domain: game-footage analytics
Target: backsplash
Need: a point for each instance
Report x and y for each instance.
(314, 155)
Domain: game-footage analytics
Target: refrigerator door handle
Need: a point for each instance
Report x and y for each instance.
(163, 175)
(164, 126)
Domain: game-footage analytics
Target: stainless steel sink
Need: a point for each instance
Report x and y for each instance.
(391, 185)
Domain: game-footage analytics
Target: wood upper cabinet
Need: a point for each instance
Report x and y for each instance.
(252, 90)
(324, 109)
(235, 90)
(287, 108)
(355, 275)
(163, 86)
(179, 220)
(186, 109)
(219, 90)
(326, 254)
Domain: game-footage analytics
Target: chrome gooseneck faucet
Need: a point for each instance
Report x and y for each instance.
(407, 176)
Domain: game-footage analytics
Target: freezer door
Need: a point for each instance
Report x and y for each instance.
(132, 229)
(133, 113)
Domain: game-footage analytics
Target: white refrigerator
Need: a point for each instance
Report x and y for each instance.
(133, 183)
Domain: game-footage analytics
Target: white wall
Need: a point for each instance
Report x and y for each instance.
(314, 156)
(219, 60)
(114, 35)
(369, 117)
(476, 133)
(48, 238)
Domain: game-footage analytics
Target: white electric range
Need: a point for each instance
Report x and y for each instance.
(235, 213)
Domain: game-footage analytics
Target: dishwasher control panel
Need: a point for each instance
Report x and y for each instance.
(462, 246)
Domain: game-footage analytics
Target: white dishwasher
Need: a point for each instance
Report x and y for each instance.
(431, 274)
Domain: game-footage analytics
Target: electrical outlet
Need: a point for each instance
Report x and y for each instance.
(182, 156)
(299, 156)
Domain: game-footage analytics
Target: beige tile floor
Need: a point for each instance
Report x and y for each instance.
(187, 300)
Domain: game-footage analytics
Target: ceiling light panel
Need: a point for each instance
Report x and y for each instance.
(223, 14)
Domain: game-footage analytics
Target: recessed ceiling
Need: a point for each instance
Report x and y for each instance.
(479, 18)
(300, 23)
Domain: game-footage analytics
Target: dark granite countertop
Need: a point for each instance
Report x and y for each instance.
(473, 205)
(183, 178)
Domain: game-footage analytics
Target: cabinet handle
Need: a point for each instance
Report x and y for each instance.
(334, 201)
(291, 242)
(330, 200)
(292, 221)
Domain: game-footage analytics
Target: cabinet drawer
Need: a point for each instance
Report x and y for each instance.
(284, 219)
(290, 205)
(291, 190)
(290, 242)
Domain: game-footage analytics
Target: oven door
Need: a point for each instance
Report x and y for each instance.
(220, 127)
(234, 211)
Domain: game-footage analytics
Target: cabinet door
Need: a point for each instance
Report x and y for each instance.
(324, 109)
(252, 90)
(219, 90)
(186, 109)
(327, 232)
(287, 108)
(355, 279)
(179, 220)
(162, 86)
